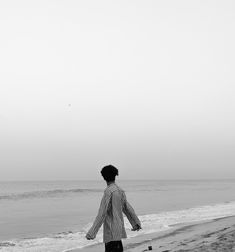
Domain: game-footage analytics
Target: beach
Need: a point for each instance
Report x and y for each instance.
(54, 216)
(213, 235)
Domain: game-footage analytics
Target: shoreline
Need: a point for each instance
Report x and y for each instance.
(210, 235)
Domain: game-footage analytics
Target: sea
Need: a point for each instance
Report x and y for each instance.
(54, 216)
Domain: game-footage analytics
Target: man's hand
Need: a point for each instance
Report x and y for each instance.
(137, 227)
(89, 237)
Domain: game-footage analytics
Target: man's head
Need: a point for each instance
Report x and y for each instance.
(109, 173)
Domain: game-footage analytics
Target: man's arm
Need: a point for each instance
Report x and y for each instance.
(91, 234)
(130, 214)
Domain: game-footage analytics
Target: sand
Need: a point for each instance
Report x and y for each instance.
(207, 236)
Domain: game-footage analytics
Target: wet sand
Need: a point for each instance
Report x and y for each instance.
(208, 236)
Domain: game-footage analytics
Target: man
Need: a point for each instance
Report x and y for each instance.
(112, 205)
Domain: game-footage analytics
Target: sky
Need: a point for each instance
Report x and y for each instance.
(147, 86)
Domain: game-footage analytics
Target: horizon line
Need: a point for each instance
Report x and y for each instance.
(161, 179)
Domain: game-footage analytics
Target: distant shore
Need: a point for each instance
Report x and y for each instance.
(213, 235)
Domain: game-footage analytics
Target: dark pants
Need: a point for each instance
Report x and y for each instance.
(114, 246)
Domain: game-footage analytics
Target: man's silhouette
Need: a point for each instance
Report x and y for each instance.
(112, 207)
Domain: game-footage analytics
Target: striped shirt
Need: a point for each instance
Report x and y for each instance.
(112, 205)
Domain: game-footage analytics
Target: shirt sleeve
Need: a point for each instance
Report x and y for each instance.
(130, 213)
(101, 215)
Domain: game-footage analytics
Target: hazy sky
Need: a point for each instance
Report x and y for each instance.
(147, 86)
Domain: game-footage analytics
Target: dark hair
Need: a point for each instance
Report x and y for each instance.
(109, 172)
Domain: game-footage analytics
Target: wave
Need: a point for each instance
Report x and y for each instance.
(46, 193)
(151, 223)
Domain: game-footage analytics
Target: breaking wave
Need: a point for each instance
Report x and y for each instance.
(46, 193)
(151, 223)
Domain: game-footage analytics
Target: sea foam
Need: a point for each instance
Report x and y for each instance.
(150, 223)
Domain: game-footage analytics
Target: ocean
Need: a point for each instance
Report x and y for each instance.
(53, 216)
